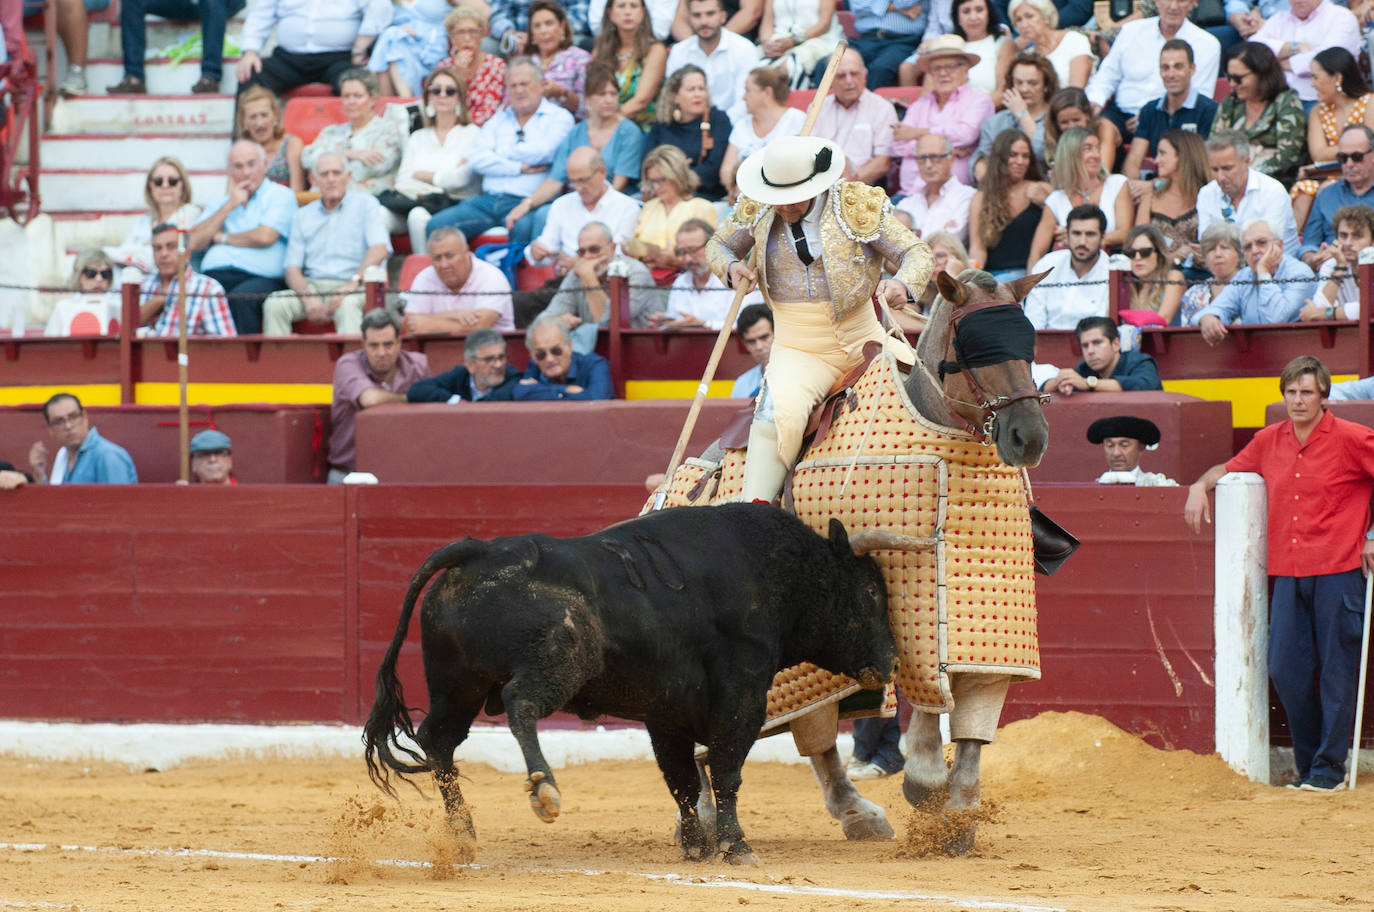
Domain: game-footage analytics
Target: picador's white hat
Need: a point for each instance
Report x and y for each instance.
(790, 170)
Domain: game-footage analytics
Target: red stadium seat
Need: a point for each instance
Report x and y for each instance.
(800, 98)
(847, 23)
(528, 278)
(307, 116)
(413, 266)
(902, 95)
(311, 90)
(1222, 90)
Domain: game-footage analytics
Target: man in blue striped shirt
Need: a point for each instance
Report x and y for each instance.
(889, 31)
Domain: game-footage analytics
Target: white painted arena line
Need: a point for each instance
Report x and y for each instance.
(681, 880)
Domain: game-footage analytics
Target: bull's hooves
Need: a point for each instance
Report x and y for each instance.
(859, 826)
(544, 798)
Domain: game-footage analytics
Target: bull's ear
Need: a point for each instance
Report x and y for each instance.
(950, 288)
(839, 538)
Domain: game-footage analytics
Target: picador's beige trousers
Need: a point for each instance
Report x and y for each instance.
(811, 350)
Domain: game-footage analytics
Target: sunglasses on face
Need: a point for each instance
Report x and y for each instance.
(90, 273)
(1235, 78)
(1356, 157)
(446, 91)
(169, 181)
(541, 354)
(1140, 253)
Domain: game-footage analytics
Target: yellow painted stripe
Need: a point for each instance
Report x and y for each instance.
(674, 389)
(1249, 396)
(88, 393)
(231, 393)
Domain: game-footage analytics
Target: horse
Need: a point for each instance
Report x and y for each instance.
(972, 377)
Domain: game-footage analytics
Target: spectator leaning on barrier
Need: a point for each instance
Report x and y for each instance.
(1270, 289)
(1105, 368)
(334, 241)
(316, 42)
(1337, 296)
(243, 234)
(1076, 286)
(1318, 472)
(1355, 153)
(159, 300)
(556, 371)
(380, 373)
(212, 458)
(583, 303)
(1239, 193)
(457, 292)
(755, 328)
(11, 478)
(83, 457)
(1123, 438)
(485, 375)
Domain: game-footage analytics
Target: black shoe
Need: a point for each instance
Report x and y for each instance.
(128, 86)
(206, 85)
(1296, 784)
(1321, 784)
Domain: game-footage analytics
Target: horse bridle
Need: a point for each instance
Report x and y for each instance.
(990, 405)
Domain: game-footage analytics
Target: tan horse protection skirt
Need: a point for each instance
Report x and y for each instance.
(965, 605)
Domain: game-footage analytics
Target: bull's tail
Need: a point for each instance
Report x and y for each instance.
(390, 717)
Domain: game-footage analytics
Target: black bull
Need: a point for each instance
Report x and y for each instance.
(678, 619)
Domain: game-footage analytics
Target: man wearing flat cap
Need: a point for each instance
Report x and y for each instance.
(212, 460)
(1123, 439)
(821, 242)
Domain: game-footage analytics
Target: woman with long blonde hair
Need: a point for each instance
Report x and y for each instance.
(1081, 178)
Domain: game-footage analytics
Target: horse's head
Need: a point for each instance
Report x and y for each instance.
(988, 382)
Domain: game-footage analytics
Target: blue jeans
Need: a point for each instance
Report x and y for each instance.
(1315, 627)
(883, 53)
(876, 741)
(486, 211)
(213, 15)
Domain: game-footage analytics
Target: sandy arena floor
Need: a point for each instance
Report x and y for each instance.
(1084, 817)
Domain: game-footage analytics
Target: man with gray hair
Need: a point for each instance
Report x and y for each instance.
(1270, 289)
(333, 242)
(244, 233)
(1355, 153)
(457, 292)
(592, 199)
(484, 376)
(380, 373)
(583, 301)
(512, 152)
(1239, 193)
(556, 371)
(943, 203)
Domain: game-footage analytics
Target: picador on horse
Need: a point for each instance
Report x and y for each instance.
(926, 445)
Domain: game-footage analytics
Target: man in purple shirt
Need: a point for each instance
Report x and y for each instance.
(380, 373)
(458, 292)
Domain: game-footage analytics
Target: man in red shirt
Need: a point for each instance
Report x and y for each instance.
(1319, 473)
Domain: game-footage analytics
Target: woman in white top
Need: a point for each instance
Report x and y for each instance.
(803, 34)
(96, 302)
(1080, 178)
(1036, 23)
(167, 191)
(769, 118)
(976, 22)
(434, 172)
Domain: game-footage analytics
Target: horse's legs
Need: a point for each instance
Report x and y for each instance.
(814, 734)
(963, 777)
(924, 776)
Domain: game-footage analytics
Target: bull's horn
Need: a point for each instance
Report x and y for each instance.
(875, 540)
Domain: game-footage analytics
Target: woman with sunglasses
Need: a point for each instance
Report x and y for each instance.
(96, 302)
(1343, 100)
(1156, 284)
(167, 191)
(434, 172)
(1263, 108)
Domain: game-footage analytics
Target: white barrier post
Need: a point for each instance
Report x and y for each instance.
(1241, 626)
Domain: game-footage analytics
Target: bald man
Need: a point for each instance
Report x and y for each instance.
(593, 199)
(244, 232)
(859, 121)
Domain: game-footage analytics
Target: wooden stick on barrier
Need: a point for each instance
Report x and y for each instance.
(724, 335)
(183, 359)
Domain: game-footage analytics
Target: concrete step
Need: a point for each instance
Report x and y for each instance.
(113, 190)
(104, 151)
(162, 76)
(136, 114)
(162, 34)
(79, 230)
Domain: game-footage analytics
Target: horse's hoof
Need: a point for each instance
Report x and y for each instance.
(959, 839)
(860, 825)
(924, 797)
(544, 798)
(737, 853)
(695, 851)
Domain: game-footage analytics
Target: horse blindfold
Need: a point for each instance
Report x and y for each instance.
(993, 335)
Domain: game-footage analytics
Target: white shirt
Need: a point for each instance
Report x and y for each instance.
(949, 212)
(1062, 308)
(1059, 203)
(1347, 293)
(709, 304)
(313, 26)
(1264, 198)
(452, 172)
(568, 216)
(661, 13)
(1131, 70)
(725, 68)
(747, 142)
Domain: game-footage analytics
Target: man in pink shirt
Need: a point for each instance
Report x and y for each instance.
(458, 292)
(952, 108)
(378, 374)
(859, 121)
(1298, 34)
